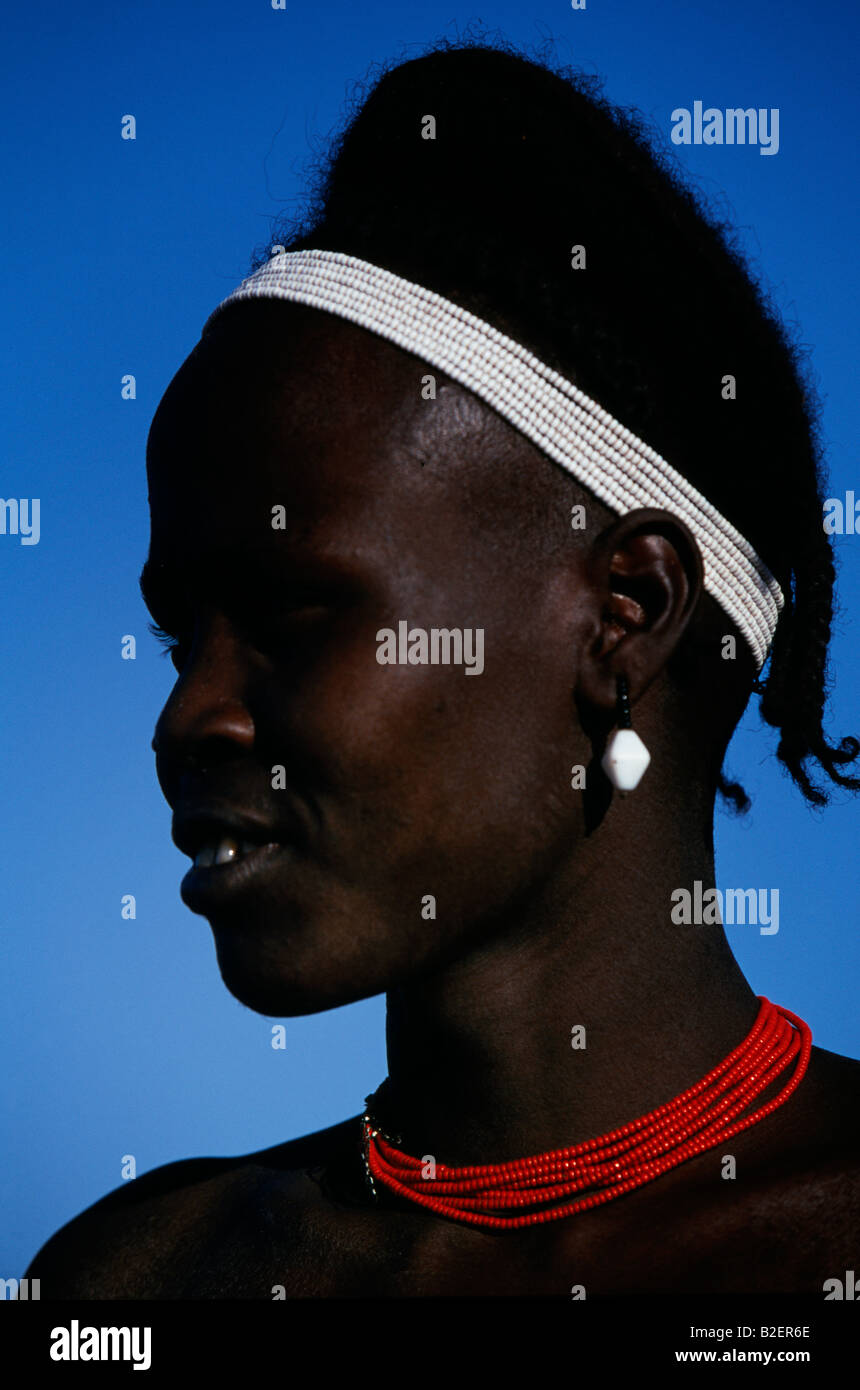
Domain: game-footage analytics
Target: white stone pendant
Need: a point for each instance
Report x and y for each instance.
(625, 759)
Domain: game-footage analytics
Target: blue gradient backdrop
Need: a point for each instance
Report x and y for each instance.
(119, 1037)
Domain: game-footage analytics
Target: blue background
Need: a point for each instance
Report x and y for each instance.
(119, 1036)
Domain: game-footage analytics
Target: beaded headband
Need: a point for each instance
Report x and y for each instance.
(561, 420)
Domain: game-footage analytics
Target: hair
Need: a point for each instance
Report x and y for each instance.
(529, 160)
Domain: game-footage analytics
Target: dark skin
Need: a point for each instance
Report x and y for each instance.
(552, 905)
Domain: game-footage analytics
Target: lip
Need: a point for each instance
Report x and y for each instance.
(201, 824)
(207, 890)
(210, 889)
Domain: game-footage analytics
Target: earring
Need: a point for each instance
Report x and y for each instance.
(626, 756)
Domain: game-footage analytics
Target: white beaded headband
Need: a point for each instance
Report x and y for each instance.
(561, 420)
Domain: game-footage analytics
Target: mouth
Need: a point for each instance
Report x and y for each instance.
(225, 850)
(219, 834)
(231, 855)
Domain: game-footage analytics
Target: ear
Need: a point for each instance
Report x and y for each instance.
(647, 576)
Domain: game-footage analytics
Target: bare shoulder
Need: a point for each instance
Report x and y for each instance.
(801, 1215)
(143, 1239)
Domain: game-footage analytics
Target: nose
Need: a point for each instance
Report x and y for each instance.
(206, 719)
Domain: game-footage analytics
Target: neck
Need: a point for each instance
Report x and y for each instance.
(481, 1063)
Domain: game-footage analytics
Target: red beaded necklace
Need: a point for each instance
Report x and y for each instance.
(494, 1195)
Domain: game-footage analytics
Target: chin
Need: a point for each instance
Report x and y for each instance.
(280, 981)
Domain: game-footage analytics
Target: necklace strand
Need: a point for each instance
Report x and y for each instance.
(494, 1195)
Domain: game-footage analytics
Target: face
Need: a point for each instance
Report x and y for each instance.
(374, 821)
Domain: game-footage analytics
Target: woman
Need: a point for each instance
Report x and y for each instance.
(598, 491)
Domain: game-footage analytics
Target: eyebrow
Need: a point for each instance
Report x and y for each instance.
(164, 589)
(160, 583)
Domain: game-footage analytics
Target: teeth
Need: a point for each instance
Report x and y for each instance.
(223, 852)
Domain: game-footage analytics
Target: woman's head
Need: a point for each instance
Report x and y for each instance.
(414, 810)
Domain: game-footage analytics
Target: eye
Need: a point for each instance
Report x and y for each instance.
(168, 642)
(293, 624)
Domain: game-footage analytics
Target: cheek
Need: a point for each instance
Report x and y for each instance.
(411, 761)
(395, 735)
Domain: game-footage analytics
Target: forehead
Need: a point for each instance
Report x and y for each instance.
(282, 404)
